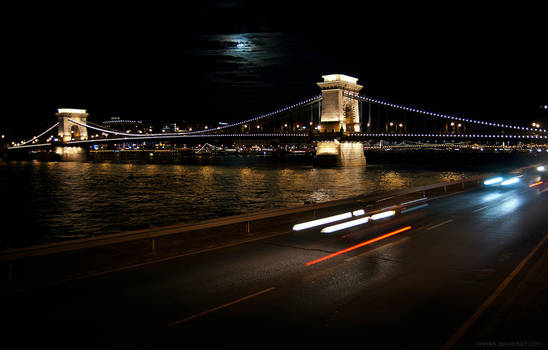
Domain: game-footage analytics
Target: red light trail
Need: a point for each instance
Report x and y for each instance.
(359, 245)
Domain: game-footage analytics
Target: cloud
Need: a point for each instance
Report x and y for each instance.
(243, 59)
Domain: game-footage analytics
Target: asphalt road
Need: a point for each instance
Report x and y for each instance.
(415, 289)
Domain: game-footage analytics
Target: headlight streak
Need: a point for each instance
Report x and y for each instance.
(383, 215)
(510, 181)
(358, 212)
(359, 245)
(319, 222)
(536, 184)
(348, 215)
(492, 181)
(347, 224)
(541, 168)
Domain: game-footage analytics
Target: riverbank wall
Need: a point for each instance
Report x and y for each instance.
(45, 264)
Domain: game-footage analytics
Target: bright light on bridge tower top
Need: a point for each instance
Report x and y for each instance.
(71, 111)
(68, 130)
(339, 110)
(340, 77)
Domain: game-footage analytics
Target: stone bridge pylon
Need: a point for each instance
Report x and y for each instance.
(340, 113)
(68, 130)
(338, 110)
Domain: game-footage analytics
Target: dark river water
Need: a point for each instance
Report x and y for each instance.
(45, 202)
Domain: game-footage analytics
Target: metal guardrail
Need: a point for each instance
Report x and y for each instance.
(52, 263)
(247, 219)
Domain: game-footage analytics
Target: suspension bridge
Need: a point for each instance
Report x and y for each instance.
(339, 113)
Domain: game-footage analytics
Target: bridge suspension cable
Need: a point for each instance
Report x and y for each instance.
(284, 109)
(183, 136)
(442, 135)
(441, 115)
(98, 127)
(208, 132)
(104, 130)
(36, 137)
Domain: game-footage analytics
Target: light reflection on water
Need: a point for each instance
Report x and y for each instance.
(49, 201)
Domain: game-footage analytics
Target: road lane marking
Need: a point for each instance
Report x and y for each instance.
(159, 260)
(438, 225)
(479, 209)
(460, 332)
(220, 307)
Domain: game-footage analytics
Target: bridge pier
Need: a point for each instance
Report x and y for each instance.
(72, 154)
(341, 154)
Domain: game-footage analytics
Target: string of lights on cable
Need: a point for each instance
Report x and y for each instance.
(440, 115)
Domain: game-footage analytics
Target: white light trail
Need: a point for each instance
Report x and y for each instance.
(383, 215)
(510, 181)
(318, 222)
(492, 181)
(344, 225)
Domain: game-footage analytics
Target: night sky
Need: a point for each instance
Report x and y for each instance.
(231, 60)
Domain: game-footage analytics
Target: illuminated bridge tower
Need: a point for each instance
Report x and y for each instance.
(339, 111)
(68, 130)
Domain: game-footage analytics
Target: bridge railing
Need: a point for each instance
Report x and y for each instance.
(54, 262)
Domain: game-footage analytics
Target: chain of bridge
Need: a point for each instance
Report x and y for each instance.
(236, 130)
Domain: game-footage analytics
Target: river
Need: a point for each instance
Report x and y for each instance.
(52, 201)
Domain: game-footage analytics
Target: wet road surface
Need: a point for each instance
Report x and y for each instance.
(416, 288)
